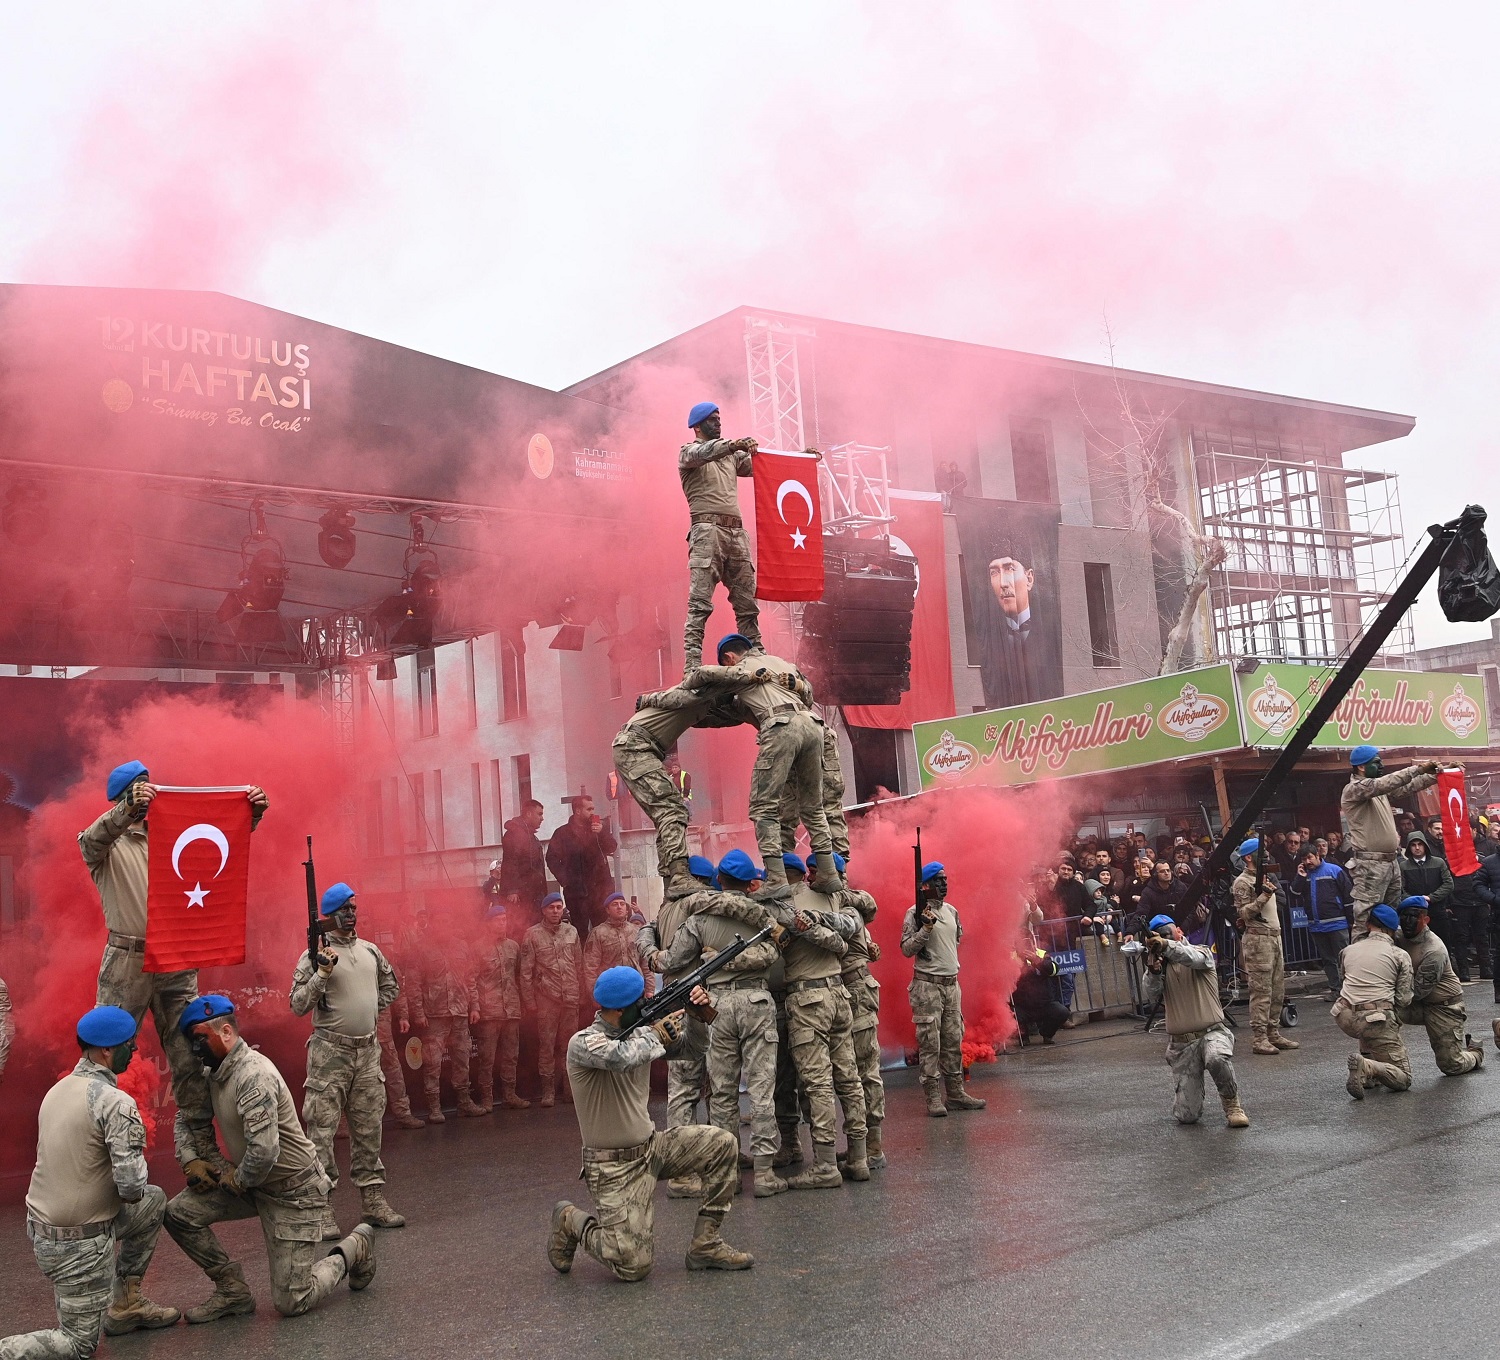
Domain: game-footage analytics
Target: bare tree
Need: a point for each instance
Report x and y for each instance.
(1140, 451)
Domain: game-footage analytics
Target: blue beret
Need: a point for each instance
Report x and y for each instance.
(618, 988)
(701, 867)
(550, 898)
(760, 872)
(1363, 755)
(202, 1008)
(730, 638)
(701, 412)
(1156, 922)
(122, 777)
(335, 898)
(839, 862)
(1413, 904)
(794, 862)
(106, 1026)
(494, 912)
(931, 870)
(1386, 916)
(1248, 848)
(616, 897)
(738, 866)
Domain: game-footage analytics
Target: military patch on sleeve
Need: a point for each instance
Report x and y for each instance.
(597, 1041)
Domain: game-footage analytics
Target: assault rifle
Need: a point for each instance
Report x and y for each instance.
(314, 919)
(916, 860)
(674, 997)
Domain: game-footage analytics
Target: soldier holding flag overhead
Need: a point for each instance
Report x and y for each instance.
(115, 850)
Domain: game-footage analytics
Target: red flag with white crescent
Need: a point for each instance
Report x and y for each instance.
(1458, 840)
(198, 878)
(788, 527)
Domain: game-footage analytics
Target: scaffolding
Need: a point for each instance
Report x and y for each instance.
(1313, 548)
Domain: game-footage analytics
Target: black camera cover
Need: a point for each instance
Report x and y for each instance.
(1468, 579)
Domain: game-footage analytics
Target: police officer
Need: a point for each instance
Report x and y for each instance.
(1377, 985)
(346, 987)
(1374, 862)
(1261, 950)
(89, 1191)
(271, 1172)
(929, 935)
(1184, 977)
(624, 1155)
(1437, 995)
(114, 849)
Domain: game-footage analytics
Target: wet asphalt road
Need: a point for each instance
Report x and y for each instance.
(1072, 1218)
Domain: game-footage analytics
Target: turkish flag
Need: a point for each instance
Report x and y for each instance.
(198, 877)
(1458, 840)
(788, 527)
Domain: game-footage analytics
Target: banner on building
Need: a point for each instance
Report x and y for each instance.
(788, 527)
(1009, 553)
(198, 878)
(918, 531)
(1458, 840)
(1385, 708)
(1166, 717)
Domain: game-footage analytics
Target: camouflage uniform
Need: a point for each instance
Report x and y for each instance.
(612, 946)
(551, 984)
(718, 548)
(864, 1000)
(114, 848)
(442, 996)
(344, 1077)
(396, 1099)
(281, 1180)
(1438, 1004)
(499, 1020)
(1377, 986)
(791, 751)
(7, 1026)
(833, 801)
(743, 1036)
(791, 1102)
(686, 1072)
(1374, 865)
(1261, 952)
(936, 1001)
(1198, 1040)
(100, 1125)
(612, 1079)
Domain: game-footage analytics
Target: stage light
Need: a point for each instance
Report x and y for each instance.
(569, 636)
(408, 617)
(336, 538)
(26, 517)
(263, 574)
(385, 668)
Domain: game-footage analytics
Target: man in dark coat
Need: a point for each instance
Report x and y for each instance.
(577, 855)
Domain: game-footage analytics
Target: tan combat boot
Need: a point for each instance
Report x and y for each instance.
(549, 1098)
(405, 1119)
(568, 1223)
(1356, 1083)
(1280, 1040)
(130, 1309)
(376, 1209)
(466, 1106)
(857, 1166)
(358, 1251)
(825, 878)
(823, 1174)
(330, 1228)
(435, 1108)
(936, 1107)
(680, 883)
(685, 1187)
(767, 1182)
(1234, 1112)
(709, 1251)
(1263, 1045)
(960, 1099)
(511, 1100)
(872, 1142)
(231, 1297)
(790, 1152)
(1473, 1046)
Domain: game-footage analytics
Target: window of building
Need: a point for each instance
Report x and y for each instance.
(510, 670)
(476, 800)
(1100, 592)
(427, 710)
(375, 818)
(1031, 459)
(1109, 481)
(616, 679)
(470, 694)
(418, 838)
(498, 825)
(521, 765)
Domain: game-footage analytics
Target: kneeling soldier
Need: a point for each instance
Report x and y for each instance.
(1437, 995)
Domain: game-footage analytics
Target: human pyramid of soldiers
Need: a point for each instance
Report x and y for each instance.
(786, 1000)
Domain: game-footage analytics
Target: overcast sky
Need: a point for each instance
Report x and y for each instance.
(1293, 198)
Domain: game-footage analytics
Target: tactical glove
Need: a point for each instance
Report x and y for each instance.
(669, 1029)
(201, 1176)
(326, 963)
(230, 1181)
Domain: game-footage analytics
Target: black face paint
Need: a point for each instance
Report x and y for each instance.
(630, 1015)
(1411, 924)
(345, 920)
(1374, 768)
(121, 1057)
(205, 1052)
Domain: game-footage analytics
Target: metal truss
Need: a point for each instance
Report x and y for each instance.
(775, 371)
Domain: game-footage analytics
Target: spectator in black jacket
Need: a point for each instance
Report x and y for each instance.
(1424, 874)
(1038, 1011)
(521, 868)
(578, 855)
(1471, 916)
(1487, 885)
(1338, 852)
(1163, 894)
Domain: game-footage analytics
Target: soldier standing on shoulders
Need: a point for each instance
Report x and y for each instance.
(1377, 986)
(1374, 864)
(88, 1192)
(345, 987)
(623, 1153)
(930, 935)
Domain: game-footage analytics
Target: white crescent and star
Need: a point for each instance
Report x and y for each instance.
(1454, 796)
(200, 831)
(792, 487)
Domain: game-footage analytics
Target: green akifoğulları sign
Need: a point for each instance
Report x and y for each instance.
(1164, 718)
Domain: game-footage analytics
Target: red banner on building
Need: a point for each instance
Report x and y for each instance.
(788, 527)
(919, 531)
(198, 878)
(1458, 840)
